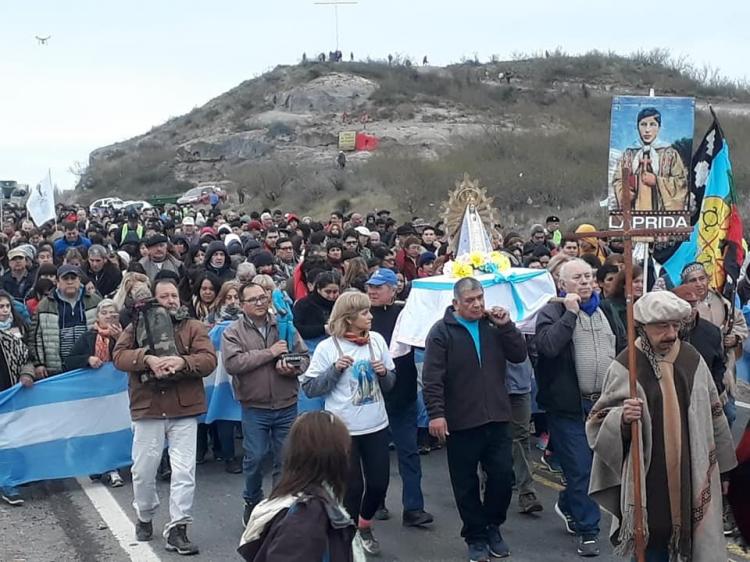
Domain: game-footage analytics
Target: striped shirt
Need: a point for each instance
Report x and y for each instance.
(594, 350)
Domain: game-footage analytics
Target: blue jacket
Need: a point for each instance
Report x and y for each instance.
(62, 245)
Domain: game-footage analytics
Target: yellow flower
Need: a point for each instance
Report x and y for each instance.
(461, 270)
(476, 259)
(500, 260)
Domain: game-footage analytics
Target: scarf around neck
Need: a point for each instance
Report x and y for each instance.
(357, 339)
(590, 306)
(101, 345)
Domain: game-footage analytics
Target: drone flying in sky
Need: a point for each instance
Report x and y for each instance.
(43, 40)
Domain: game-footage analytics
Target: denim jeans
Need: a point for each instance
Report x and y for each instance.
(575, 456)
(730, 410)
(404, 435)
(488, 445)
(263, 429)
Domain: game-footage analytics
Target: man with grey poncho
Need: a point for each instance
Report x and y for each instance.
(685, 442)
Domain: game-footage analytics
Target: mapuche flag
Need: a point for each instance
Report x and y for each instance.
(716, 241)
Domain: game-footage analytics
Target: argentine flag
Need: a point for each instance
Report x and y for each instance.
(222, 405)
(72, 424)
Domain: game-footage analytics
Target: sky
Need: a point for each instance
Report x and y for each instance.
(113, 70)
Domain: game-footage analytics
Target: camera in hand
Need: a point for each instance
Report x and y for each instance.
(293, 359)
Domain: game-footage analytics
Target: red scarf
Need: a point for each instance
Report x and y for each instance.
(357, 339)
(101, 347)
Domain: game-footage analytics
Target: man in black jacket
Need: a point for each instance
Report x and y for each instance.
(469, 407)
(703, 336)
(401, 401)
(576, 342)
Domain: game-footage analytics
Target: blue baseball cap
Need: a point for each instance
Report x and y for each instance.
(383, 276)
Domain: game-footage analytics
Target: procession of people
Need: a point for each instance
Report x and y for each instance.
(310, 309)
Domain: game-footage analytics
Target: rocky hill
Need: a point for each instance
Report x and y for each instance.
(534, 130)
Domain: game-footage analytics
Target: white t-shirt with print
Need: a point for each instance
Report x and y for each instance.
(356, 398)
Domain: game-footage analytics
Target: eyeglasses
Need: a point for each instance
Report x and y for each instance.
(256, 300)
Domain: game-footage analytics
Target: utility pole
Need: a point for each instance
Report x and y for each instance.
(336, 4)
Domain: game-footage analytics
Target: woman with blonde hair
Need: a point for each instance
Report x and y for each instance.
(132, 282)
(351, 370)
(227, 304)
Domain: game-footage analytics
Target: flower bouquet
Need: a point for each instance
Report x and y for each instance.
(474, 263)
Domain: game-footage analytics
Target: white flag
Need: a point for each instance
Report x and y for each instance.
(41, 201)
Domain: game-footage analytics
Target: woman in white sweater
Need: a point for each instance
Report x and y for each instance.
(351, 370)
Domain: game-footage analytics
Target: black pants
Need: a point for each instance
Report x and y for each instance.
(490, 446)
(369, 455)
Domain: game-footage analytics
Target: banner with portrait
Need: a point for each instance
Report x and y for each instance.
(651, 143)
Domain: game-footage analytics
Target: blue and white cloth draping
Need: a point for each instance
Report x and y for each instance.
(523, 292)
(78, 423)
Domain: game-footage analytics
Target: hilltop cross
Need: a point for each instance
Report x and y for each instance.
(627, 233)
(336, 4)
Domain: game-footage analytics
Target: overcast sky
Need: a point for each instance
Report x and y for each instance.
(113, 70)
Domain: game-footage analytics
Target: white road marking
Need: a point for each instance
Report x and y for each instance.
(119, 524)
(744, 405)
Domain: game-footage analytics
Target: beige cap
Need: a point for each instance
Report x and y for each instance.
(660, 306)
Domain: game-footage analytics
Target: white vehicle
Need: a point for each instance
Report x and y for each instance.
(136, 205)
(113, 202)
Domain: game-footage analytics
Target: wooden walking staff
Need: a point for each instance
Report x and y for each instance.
(627, 234)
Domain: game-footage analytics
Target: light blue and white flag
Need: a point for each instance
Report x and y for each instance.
(220, 399)
(72, 424)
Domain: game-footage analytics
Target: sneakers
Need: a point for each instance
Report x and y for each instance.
(727, 517)
(569, 523)
(177, 541)
(417, 518)
(143, 531)
(246, 513)
(113, 479)
(497, 545)
(528, 503)
(12, 498)
(369, 543)
(588, 546)
(551, 463)
(233, 466)
(382, 514)
(479, 552)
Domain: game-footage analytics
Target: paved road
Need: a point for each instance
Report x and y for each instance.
(61, 522)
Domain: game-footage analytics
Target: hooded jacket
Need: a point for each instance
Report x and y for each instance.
(225, 273)
(43, 337)
(457, 386)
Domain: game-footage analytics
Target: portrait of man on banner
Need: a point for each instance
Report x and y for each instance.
(651, 143)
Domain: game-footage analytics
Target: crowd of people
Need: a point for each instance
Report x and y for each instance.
(310, 309)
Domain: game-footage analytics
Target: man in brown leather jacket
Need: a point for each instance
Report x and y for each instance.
(166, 398)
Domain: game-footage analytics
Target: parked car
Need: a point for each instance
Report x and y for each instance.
(112, 202)
(200, 195)
(136, 205)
